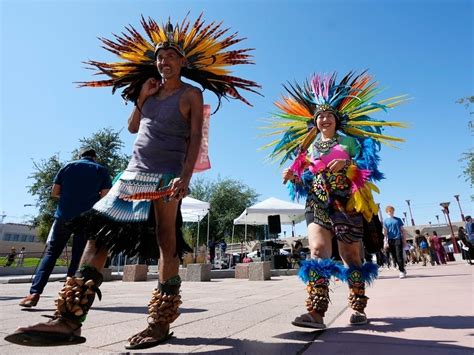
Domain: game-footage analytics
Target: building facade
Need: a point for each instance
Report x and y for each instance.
(19, 235)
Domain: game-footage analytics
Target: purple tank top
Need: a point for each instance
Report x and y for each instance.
(162, 139)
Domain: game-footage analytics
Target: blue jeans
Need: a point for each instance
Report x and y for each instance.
(60, 234)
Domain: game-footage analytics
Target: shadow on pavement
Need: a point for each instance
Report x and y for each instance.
(415, 276)
(143, 310)
(378, 343)
(237, 346)
(119, 309)
(441, 322)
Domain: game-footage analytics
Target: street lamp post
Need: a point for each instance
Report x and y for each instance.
(445, 206)
(444, 214)
(437, 218)
(460, 209)
(411, 215)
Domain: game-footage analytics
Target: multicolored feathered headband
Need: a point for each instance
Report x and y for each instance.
(203, 47)
(349, 100)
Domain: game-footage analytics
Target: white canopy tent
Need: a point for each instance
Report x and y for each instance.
(194, 210)
(290, 213)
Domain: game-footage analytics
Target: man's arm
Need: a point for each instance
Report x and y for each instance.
(149, 88)
(134, 119)
(56, 191)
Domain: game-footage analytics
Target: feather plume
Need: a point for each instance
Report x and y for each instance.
(204, 47)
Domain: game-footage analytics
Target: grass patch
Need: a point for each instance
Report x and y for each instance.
(32, 262)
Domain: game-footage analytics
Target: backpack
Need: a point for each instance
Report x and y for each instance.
(423, 245)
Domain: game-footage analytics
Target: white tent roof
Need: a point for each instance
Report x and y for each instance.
(258, 214)
(194, 210)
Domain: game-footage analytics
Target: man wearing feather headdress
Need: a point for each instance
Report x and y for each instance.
(333, 144)
(141, 214)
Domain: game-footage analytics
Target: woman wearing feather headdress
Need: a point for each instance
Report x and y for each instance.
(333, 144)
(168, 117)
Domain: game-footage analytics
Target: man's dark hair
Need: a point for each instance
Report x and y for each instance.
(417, 231)
(88, 153)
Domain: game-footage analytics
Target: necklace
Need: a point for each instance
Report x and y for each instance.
(324, 146)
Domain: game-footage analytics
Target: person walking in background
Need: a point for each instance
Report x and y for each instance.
(223, 246)
(422, 245)
(433, 258)
(21, 258)
(438, 248)
(11, 257)
(469, 228)
(467, 248)
(78, 185)
(212, 251)
(395, 239)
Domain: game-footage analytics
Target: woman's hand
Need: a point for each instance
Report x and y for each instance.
(337, 165)
(149, 88)
(179, 188)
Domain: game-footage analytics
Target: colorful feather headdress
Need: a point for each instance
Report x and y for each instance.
(349, 100)
(204, 48)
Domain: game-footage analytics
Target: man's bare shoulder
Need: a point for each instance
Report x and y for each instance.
(192, 91)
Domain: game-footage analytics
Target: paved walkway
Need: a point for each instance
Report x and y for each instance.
(430, 312)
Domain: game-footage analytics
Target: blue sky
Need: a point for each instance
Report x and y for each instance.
(420, 48)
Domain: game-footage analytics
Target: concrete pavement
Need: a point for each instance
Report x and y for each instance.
(430, 312)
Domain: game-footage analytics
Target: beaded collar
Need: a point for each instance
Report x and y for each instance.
(324, 146)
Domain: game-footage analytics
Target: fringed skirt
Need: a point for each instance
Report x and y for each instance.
(128, 227)
(325, 206)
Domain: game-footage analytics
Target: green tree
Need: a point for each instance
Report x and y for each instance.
(107, 144)
(467, 158)
(43, 177)
(228, 198)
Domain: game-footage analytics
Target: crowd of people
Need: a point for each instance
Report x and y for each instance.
(430, 248)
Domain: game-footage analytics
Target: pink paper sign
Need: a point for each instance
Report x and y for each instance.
(203, 162)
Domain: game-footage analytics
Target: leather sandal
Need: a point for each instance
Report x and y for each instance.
(29, 337)
(307, 321)
(358, 318)
(151, 342)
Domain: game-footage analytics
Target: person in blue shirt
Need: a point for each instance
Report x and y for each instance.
(395, 239)
(78, 185)
(469, 227)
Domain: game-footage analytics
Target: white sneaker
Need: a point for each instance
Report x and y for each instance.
(402, 275)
